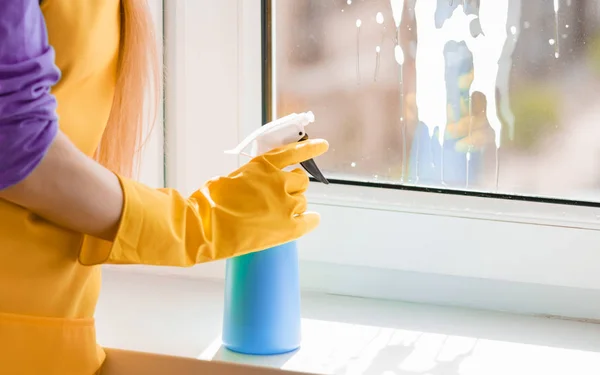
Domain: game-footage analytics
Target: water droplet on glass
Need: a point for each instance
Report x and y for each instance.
(379, 18)
(556, 22)
(377, 62)
(349, 2)
(399, 54)
(397, 9)
(526, 24)
(353, 164)
(567, 26)
(551, 41)
(556, 55)
(513, 30)
(497, 167)
(358, 25)
(468, 157)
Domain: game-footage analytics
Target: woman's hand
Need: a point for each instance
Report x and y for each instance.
(260, 205)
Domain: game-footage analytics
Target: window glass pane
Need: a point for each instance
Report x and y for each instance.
(488, 95)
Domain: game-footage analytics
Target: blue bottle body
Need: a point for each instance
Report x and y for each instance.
(262, 302)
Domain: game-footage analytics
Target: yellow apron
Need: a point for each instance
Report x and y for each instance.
(47, 299)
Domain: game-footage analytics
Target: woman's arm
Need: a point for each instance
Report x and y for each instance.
(40, 169)
(256, 207)
(72, 190)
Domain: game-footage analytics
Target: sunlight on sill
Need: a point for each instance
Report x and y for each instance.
(349, 349)
(346, 335)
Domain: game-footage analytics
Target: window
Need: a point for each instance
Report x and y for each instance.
(482, 96)
(529, 210)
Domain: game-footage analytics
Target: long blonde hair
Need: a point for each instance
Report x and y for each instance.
(138, 75)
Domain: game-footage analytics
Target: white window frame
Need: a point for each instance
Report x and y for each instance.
(213, 99)
(151, 164)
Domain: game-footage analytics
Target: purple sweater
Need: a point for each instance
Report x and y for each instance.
(28, 120)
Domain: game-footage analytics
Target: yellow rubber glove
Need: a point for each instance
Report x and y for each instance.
(472, 130)
(254, 208)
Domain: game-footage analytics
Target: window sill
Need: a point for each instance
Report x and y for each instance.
(344, 335)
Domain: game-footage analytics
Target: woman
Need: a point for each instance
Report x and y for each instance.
(62, 213)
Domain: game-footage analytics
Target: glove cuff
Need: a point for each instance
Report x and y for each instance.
(123, 250)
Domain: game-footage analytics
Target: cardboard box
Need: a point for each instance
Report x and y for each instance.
(124, 362)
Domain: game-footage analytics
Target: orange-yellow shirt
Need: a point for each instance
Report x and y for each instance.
(47, 299)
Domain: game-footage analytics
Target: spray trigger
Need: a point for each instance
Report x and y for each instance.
(279, 133)
(311, 167)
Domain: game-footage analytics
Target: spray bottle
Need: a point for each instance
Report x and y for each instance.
(262, 289)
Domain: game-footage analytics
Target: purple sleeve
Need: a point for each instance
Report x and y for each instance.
(28, 120)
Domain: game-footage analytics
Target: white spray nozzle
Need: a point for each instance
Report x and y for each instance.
(276, 133)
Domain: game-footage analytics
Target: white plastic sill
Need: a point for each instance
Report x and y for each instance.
(345, 335)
